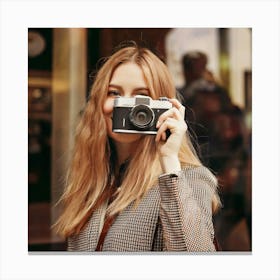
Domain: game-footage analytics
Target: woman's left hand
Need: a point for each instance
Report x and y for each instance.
(173, 119)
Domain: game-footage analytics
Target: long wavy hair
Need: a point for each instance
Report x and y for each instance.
(90, 172)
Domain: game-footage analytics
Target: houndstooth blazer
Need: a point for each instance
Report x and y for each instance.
(176, 215)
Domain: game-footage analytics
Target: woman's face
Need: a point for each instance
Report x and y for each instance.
(127, 81)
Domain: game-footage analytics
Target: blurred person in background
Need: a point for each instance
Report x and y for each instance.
(198, 78)
(197, 75)
(218, 126)
(133, 191)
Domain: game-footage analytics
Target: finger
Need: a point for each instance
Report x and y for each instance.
(178, 105)
(160, 131)
(171, 113)
(175, 103)
(163, 136)
(170, 124)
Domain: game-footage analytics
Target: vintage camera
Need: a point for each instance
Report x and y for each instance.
(138, 114)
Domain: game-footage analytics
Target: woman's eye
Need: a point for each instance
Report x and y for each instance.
(113, 93)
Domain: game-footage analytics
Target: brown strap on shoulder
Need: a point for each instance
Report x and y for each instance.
(107, 224)
(112, 193)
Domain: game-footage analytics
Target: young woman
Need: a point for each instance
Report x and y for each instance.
(131, 191)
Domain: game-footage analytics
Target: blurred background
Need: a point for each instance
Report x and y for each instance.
(212, 71)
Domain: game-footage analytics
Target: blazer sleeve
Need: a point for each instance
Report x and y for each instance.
(186, 210)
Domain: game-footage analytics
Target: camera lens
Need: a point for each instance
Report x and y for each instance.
(142, 116)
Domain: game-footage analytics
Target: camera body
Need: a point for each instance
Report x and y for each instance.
(138, 114)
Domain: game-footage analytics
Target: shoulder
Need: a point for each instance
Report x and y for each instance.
(199, 176)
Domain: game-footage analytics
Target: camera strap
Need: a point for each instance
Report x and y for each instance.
(109, 220)
(107, 224)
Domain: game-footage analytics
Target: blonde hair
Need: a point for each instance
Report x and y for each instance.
(90, 172)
